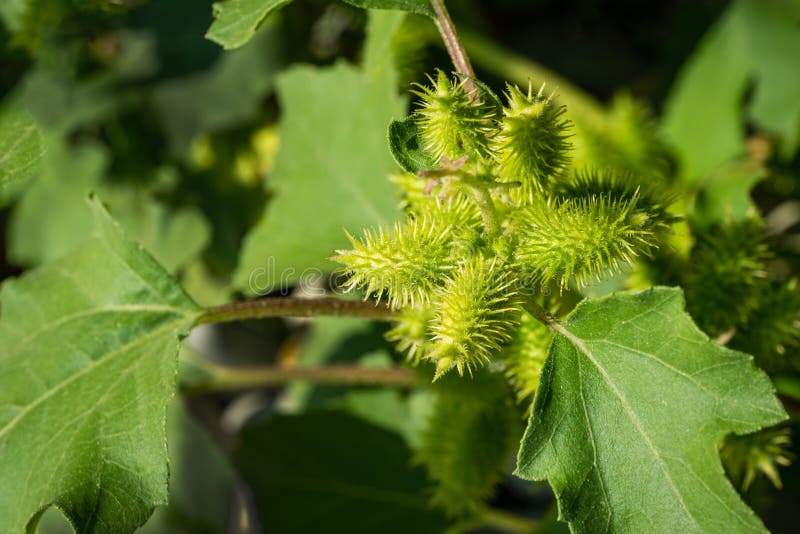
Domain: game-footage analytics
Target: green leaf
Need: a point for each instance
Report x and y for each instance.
(88, 357)
(774, 44)
(21, 145)
(633, 404)
(702, 120)
(754, 40)
(422, 7)
(11, 13)
(725, 196)
(334, 470)
(69, 173)
(330, 172)
(236, 21)
(404, 143)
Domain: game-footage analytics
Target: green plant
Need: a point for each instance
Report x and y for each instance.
(560, 280)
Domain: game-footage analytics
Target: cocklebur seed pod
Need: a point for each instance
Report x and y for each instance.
(625, 139)
(761, 453)
(411, 332)
(532, 145)
(406, 262)
(525, 355)
(771, 332)
(727, 275)
(476, 312)
(581, 239)
(652, 198)
(453, 122)
(471, 432)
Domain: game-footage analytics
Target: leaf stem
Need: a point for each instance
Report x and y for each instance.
(219, 378)
(507, 521)
(543, 316)
(296, 307)
(450, 38)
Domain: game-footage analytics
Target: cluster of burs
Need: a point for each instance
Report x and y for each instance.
(498, 217)
(511, 209)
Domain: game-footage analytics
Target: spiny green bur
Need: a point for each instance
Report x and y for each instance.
(497, 216)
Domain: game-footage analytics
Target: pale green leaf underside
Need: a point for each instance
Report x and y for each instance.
(331, 170)
(236, 21)
(423, 7)
(633, 403)
(21, 145)
(88, 357)
(755, 41)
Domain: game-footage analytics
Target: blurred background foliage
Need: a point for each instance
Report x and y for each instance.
(215, 160)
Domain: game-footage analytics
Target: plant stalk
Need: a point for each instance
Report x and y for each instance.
(220, 378)
(483, 199)
(507, 521)
(543, 316)
(450, 38)
(296, 307)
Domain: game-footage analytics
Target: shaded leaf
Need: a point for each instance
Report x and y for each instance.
(702, 119)
(336, 470)
(201, 479)
(88, 357)
(633, 404)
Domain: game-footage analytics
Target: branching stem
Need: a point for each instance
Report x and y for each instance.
(296, 307)
(480, 194)
(543, 316)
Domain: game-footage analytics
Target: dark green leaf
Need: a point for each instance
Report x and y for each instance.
(201, 479)
(88, 357)
(754, 39)
(334, 470)
(404, 142)
(633, 404)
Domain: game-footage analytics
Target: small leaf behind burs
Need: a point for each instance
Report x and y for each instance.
(236, 21)
(404, 143)
(330, 169)
(88, 358)
(333, 469)
(633, 404)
